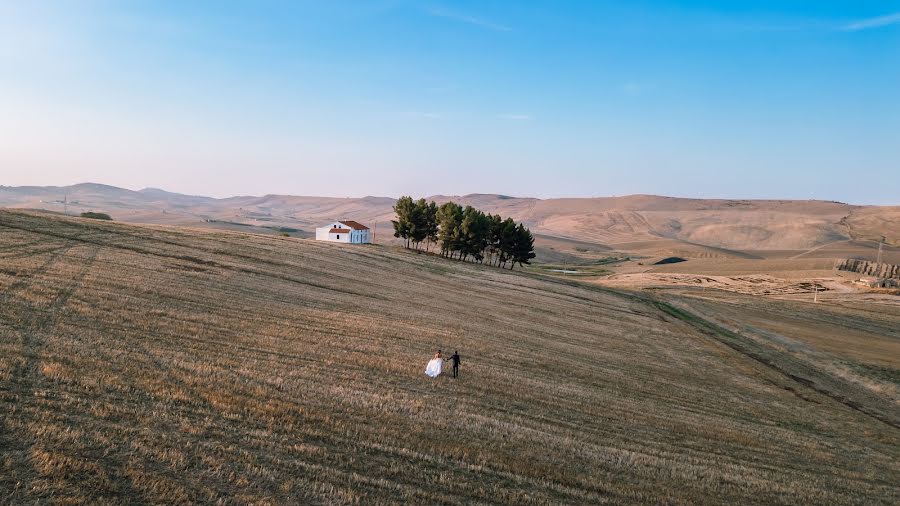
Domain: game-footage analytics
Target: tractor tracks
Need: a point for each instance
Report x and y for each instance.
(790, 368)
(798, 373)
(25, 382)
(37, 320)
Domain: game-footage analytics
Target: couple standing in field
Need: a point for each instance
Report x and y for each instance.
(433, 369)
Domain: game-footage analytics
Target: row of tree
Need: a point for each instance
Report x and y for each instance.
(464, 233)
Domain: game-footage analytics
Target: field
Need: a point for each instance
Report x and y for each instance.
(154, 364)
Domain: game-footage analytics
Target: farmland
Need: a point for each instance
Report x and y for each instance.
(156, 364)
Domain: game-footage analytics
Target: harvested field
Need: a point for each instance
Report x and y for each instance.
(748, 284)
(851, 336)
(853, 326)
(149, 364)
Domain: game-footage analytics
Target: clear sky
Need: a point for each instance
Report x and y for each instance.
(750, 99)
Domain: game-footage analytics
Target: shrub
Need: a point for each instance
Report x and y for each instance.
(96, 216)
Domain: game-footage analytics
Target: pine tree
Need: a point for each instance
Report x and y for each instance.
(419, 227)
(463, 233)
(507, 241)
(404, 209)
(431, 224)
(449, 217)
(495, 228)
(474, 231)
(523, 250)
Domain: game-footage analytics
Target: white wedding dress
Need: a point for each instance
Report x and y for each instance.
(434, 367)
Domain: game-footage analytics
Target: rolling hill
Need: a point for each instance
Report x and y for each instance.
(640, 224)
(158, 364)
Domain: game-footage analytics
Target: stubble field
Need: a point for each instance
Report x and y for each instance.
(147, 364)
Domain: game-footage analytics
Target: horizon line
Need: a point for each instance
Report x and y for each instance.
(466, 195)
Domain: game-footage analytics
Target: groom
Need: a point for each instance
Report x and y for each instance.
(455, 359)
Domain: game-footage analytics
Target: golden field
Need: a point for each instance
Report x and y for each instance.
(153, 364)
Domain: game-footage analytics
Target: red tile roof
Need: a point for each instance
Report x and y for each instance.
(354, 225)
(339, 231)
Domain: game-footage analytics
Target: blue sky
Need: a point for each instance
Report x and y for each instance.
(761, 99)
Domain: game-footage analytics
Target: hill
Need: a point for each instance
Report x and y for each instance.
(639, 224)
(162, 364)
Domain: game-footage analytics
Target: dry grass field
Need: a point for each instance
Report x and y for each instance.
(151, 364)
(858, 330)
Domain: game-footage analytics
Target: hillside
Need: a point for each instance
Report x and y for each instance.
(639, 224)
(155, 364)
(872, 223)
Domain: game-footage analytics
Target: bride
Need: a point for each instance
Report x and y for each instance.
(434, 365)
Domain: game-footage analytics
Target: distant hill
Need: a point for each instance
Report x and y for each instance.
(643, 224)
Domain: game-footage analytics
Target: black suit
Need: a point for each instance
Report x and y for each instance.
(455, 359)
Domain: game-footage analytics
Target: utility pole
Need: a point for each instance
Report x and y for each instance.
(66, 206)
(880, 246)
(374, 229)
(815, 292)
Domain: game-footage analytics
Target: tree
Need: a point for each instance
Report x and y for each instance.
(422, 221)
(449, 218)
(494, 230)
(431, 223)
(474, 230)
(507, 241)
(463, 233)
(404, 208)
(523, 249)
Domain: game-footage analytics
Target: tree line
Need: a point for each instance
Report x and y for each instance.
(463, 233)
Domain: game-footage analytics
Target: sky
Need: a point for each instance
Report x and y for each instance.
(730, 99)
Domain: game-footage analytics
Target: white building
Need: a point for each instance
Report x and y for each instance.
(347, 231)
